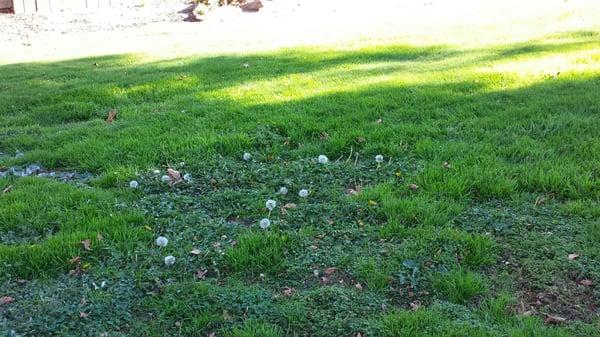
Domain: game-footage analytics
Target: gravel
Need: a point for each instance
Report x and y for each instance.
(20, 27)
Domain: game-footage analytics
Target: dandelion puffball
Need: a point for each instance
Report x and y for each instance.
(303, 193)
(323, 159)
(265, 223)
(247, 156)
(169, 260)
(161, 241)
(271, 204)
(379, 158)
(187, 177)
(283, 190)
(133, 184)
(165, 179)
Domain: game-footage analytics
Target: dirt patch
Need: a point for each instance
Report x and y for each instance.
(568, 299)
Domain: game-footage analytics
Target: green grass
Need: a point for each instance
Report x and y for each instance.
(521, 192)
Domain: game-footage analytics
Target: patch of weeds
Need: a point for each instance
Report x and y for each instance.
(373, 275)
(258, 252)
(459, 286)
(254, 328)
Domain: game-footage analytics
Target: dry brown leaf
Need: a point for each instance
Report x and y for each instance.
(323, 135)
(7, 189)
(87, 244)
(112, 114)
(330, 271)
(554, 319)
(290, 205)
(413, 187)
(6, 300)
(573, 256)
(586, 282)
(415, 305)
(201, 274)
(174, 176)
(539, 201)
(287, 291)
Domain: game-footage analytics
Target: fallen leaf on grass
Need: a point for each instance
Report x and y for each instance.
(573, 256)
(330, 270)
(554, 319)
(7, 189)
(287, 291)
(6, 300)
(539, 201)
(415, 305)
(174, 176)
(413, 187)
(201, 274)
(112, 114)
(586, 283)
(83, 314)
(290, 205)
(195, 251)
(87, 244)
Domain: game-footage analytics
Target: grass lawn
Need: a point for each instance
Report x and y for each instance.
(490, 180)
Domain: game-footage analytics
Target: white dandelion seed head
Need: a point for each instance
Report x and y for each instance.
(271, 204)
(247, 156)
(165, 178)
(265, 223)
(303, 193)
(162, 241)
(169, 260)
(187, 178)
(133, 184)
(323, 159)
(379, 158)
(283, 190)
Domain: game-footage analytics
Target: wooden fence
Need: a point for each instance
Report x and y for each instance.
(45, 6)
